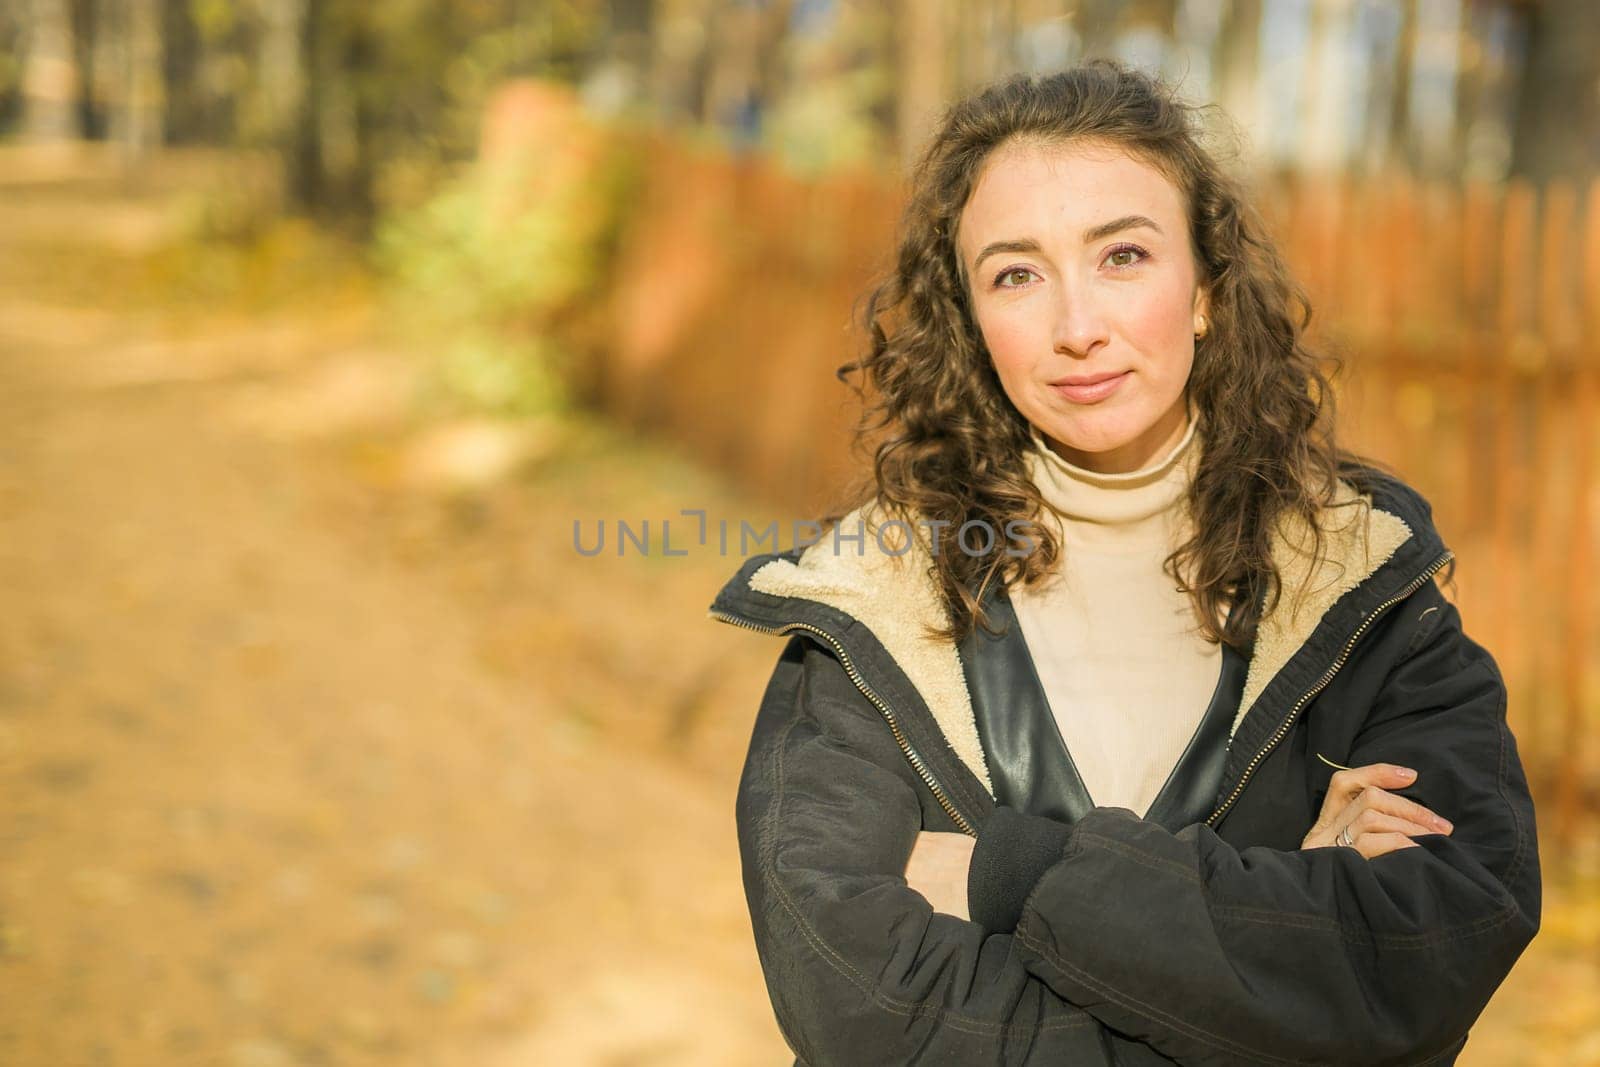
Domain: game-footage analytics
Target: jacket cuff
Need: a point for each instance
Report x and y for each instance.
(1012, 853)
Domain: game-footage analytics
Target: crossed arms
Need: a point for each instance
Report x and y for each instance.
(1137, 944)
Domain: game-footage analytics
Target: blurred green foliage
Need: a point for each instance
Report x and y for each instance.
(829, 124)
(498, 272)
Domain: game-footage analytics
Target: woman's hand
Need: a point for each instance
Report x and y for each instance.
(1359, 813)
(938, 870)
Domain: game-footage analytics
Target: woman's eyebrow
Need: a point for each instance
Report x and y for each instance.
(1126, 222)
(1023, 244)
(1093, 233)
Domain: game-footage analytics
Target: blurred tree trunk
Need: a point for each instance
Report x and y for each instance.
(985, 38)
(633, 19)
(745, 51)
(1557, 128)
(361, 88)
(966, 47)
(772, 38)
(703, 85)
(335, 135)
(136, 117)
(86, 24)
(181, 54)
(1487, 91)
(271, 115)
(922, 75)
(1238, 64)
(47, 73)
(1327, 86)
(1097, 22)
(13, 32)
(627, 50)
(1472, 83)
(307, 178)
(1401, 150)
(675, 90)
(730, 38)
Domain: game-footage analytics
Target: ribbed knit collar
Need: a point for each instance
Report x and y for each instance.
(1135, 511)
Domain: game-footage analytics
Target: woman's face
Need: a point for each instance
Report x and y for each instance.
(1083, 283)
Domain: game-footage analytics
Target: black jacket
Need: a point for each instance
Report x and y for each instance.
(1186, 937)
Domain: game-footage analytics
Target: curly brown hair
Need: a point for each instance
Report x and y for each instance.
(951, 445)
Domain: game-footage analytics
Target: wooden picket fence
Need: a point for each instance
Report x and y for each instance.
(1468, 320)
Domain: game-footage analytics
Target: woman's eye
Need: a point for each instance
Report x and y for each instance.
(1126, 250)
(1001, 279)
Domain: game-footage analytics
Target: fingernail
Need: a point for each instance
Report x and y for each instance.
(1444, 823)
(1405, 772)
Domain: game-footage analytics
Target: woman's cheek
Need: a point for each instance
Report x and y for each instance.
(1009, 339)
(1155, 322)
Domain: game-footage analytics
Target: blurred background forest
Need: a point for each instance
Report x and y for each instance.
(323, 322)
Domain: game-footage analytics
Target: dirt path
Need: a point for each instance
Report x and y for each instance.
(279, 786)
(318, 746)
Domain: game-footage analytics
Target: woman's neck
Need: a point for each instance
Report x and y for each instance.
(1133, 511)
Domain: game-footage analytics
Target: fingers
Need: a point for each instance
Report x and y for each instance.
(1345, 785)
(1350, 782)
(1373, 821)
(1378, 822)
(1359, 798)
(1387, 803)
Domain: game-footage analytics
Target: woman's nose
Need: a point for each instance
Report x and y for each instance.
(1079, 325)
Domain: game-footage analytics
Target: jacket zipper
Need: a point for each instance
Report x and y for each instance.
(1322, 683)
(915, 760)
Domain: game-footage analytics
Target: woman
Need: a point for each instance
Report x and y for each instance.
(1124, 721)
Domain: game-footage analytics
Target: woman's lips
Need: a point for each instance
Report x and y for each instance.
(1091, 393)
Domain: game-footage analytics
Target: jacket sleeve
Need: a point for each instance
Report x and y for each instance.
(1214, 954)
(859, 967)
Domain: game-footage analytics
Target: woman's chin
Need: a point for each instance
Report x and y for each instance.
(1084, 439)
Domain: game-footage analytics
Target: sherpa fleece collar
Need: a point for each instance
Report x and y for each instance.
(891, 593)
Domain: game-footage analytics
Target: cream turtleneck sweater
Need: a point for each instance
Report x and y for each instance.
(1116, 646)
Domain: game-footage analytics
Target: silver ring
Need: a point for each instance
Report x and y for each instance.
(1343, 840)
